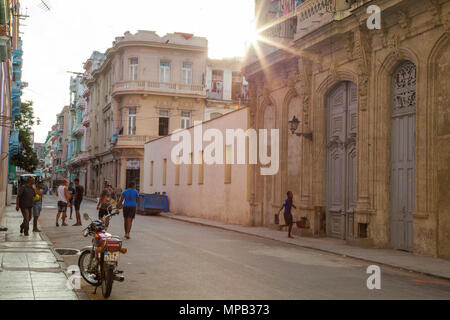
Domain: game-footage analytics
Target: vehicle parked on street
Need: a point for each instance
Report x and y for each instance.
(98, 263)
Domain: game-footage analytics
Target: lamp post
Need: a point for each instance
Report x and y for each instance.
(294, 123)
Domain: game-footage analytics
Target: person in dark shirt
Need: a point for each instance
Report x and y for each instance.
(25, 202)
(79, 192)
(71, 190)
(288, 204)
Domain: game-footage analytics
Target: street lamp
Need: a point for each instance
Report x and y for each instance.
(294, 123)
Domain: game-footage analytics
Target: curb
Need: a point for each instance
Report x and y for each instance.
(63, 266)
(309, 247)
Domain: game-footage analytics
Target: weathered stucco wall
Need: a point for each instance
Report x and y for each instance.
(213, 199)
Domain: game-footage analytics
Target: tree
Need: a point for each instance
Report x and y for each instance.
(27, 157)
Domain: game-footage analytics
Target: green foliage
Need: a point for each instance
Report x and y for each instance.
(27, 158)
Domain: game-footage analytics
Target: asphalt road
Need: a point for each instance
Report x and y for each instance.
(169, 259)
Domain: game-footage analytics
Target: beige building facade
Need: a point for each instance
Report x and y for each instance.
(372, 165)
(146, 87)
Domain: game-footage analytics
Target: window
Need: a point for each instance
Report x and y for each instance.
(151, 173)
(187, 73)
(105, 128)
(201, 169)
(177, 172)
(134, 69)
(131, 121)
(185, 120)
(217, 81)
(228, 154)
(164, 172)
(189, 177)
(164, 71)
(163, 122)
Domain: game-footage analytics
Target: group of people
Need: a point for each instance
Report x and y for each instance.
(29, 202)
(70, 195)
(127, 201)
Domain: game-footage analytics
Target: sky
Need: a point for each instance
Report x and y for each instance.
(62, 39)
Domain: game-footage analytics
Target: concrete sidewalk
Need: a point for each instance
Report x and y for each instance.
(398, 259)
(29, 267)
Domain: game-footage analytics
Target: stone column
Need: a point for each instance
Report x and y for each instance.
(123, 173)
(305, 75)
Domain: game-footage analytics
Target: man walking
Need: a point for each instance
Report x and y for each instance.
(79, 192)
(63, 199)
(25, 202)
(38, 199)
(130, 196)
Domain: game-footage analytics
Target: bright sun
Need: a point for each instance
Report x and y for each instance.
(252, 34)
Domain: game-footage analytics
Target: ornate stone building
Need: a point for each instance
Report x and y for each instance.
(376, 170)
(146, 87)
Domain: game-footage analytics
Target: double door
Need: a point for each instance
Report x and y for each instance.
(341, 160)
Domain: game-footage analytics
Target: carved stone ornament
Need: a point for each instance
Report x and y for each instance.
(335, 142)
(350, 45)
(404, 88)
(351, 140)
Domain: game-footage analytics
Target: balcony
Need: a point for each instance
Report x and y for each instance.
(214, 95)
(159, 88)
(86, 120)
(131, 141)
(81, 103)
(78, 159)
(303, 18)
(78, 130)
(313, 14)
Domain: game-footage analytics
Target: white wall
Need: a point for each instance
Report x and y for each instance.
(211, 200)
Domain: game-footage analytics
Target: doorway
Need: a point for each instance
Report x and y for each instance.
(403, 150)
(342, 103)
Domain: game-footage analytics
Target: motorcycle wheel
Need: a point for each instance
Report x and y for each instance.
(107, 280)
(83, 262)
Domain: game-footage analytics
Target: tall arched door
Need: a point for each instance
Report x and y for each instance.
(403, 150)
(342, 121)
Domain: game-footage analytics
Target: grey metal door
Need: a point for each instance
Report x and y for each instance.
(341, 160)
(403, 147)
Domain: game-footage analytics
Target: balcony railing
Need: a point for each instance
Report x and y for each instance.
(126, 141)
(78, 130)
(214, 95)
(86, 120)
(154, 87)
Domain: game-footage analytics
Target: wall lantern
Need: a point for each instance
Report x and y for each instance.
(294, 123)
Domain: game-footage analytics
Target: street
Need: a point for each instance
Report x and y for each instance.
(170, 259)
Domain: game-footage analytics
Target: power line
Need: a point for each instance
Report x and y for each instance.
(44, 5)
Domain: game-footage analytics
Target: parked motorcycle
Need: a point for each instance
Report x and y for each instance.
(98, 263)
